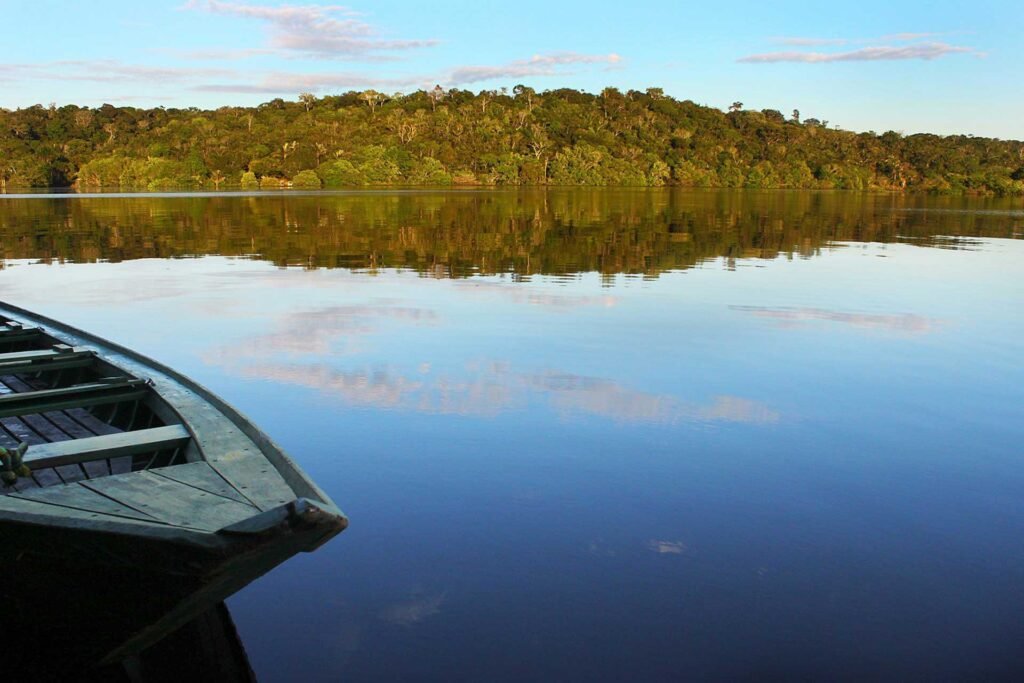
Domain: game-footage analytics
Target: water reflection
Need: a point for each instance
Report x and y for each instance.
(496, 388)
(333, 330)
(457, 234)
(78, 621)
(582, 436)
(413, 611)
(907, 323)
(668, 547)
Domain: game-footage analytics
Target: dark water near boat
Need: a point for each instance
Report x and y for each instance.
(597, 435)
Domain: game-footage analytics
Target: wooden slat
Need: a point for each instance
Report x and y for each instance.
(10, 334)
(99, 468)
(51, 432)
(201, 476)
(80, 395)
(23, 484)
(227, 449)
(46, 477)
(59, 362)
(41, 354)
(70, 473)
(91, 422)
(21, 431)
(44, 428)
(120, 465)
(78, 497)
(171, 502)
(106, 447)
(94, 426)
(18, 507)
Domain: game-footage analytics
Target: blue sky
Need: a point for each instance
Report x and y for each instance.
(944, 67)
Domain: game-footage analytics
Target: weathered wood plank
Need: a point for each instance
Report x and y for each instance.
(91, 422)
(60, 362)
(46, 477)
(120, 465)
(228, 450)
(51, 433)
(94, 426)
(22, 484)
(91, 394)
(106, 447)
(172, 502)
(77, 497)
(44, 428)
(201, 476)
(69, 473)
(21, 431)
(37, 512)
(11, 334)
(67, 425)
(59, 419)
(98, 468)
(42, 354)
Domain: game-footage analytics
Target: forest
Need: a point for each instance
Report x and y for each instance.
(520, 136)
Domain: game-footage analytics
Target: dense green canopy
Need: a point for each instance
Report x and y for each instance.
(558, 137)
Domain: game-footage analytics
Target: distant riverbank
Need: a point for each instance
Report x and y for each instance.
(461, 139)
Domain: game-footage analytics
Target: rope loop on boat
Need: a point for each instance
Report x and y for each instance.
(12, 464)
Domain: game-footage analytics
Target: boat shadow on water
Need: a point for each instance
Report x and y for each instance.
(61, 621)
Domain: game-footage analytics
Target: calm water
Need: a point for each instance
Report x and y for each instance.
(597, 435)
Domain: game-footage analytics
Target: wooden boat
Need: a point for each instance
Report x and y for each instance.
(132, 465)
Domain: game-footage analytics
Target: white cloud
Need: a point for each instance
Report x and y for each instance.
(925, 51)
(279, 82)
(803, 41)
(538, 65)
(108, 71)
(314, 30)
(811, 42)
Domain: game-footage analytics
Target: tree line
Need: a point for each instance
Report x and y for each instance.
(494, 137)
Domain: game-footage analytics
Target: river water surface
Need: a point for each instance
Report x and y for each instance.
(617, 435)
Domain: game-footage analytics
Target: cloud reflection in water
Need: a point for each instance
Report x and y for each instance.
(907, 323)
(496, 388)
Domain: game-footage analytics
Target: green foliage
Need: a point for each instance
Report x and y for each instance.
(249, 181)
(578, 165)
(340, 173)
(377, 165)
(306, 180)
(429, 171)
(558, 137)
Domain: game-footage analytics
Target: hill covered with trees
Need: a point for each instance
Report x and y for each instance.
(522, 137)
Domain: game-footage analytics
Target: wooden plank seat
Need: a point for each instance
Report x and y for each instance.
(65, 361)
(58, 350)
(10, 334)
(93, 448)
(16, 360)
(94, 393)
